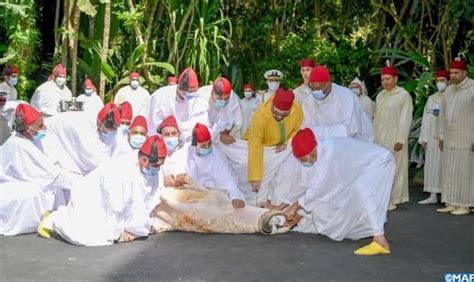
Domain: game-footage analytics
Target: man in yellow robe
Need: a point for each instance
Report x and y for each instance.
(392, 121)
(273, 124)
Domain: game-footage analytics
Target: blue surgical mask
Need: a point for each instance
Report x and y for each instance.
(189, 95)
(108, 136)
(40, 134)
(171, 143)
(137, 141)
(13, 81)
(150, 171)
(220, 104)
(204, 152)
(318, 94)
(124, 128)
(307, 164)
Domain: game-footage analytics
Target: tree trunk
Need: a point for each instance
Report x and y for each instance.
(105, 46)
(57, 39)
(65, 40)
(77, 17)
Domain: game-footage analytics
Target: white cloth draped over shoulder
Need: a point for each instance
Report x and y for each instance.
(347, 190)
(340, 107)
(80, 140)
(114, 198)
(213, 171)
(175, 162)
(48, 96)
(237, 156)
(30, 179)
(163, 103)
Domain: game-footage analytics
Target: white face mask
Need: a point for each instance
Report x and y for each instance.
(60, 81)
(356, 91)
(273, 85)
(318, 94)
(134, 84)
(89, 91)
(441, 86)
(248, 94)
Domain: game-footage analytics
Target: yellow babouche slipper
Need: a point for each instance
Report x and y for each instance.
(43, 231)
(372, 249)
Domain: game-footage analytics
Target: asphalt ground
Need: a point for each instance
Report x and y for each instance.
(425, 246)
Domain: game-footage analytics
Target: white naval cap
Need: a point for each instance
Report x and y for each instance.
(275, 74)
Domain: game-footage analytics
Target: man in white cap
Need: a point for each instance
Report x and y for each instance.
(302, 91)
(48, 96)
(429, 139)
(113, 203)
(181, 101)
(273, 79)
(133, 93)
(348, 184)
(358, 87)
(31, 179)
(457, 141)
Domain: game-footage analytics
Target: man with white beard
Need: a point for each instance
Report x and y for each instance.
(133, 93)
(30, 176)
(302, 91)
(48, 96)
(113, 203)
(180, 101)
(429, 140)
(348, 184)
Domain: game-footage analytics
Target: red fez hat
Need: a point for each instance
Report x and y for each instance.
(442, 73)
(134, 75)
(169, 121)
(222, 87)
(126, 112)
(307, 63)
(154, 148)
(389, 70)
(303, 143)
(27, 113)
(9, 70)
(248, 86)
(457, 64)
(139, 121)
(200, 134)
(89, 84)
(319, 74)
(188, 79)
(283, 99)
(58, 70)
(109, 115)
(172, 80)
